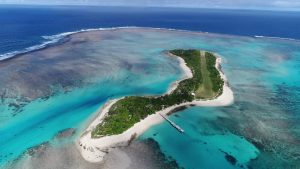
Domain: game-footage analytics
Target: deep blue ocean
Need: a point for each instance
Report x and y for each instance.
(25, 26)
(44, 92)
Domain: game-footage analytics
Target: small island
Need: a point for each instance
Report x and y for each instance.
(206, 83)
(121, 120)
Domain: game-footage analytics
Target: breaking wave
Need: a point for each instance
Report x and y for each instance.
(50, 40)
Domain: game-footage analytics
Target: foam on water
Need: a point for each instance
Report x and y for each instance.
(254, 129)
(52, 39)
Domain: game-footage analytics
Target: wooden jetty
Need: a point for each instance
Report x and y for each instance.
(178, 128)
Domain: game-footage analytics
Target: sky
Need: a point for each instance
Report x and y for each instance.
(235, 4)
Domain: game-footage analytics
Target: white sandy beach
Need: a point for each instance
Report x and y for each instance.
(94, 150)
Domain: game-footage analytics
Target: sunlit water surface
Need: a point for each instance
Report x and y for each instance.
(259, 130)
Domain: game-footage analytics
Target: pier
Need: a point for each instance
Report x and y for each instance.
(178, 128)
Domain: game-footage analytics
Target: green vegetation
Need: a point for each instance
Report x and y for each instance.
(204, 89)
(215, 77)
(212, 82)
(206, 83)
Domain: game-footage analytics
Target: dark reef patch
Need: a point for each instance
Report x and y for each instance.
(177, 109)
(38, 149)
(231, 159)
(69, 132)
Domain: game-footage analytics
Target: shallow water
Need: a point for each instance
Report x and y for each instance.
(260, 126)
(138, 155)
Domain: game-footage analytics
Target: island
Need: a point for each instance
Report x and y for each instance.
(120, 121)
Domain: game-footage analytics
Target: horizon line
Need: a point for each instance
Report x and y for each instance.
(154, 6)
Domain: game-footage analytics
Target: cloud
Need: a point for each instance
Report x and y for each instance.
(287, 4)
(242, 4)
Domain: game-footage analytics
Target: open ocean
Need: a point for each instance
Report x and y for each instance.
(261, 51)
(25, 26)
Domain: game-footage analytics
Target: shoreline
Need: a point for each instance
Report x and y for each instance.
(187, 73)
(94, 149)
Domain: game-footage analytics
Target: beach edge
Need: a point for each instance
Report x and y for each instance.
(94, 149)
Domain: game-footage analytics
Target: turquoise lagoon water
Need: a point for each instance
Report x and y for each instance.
(203, 145)
(259, 130)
